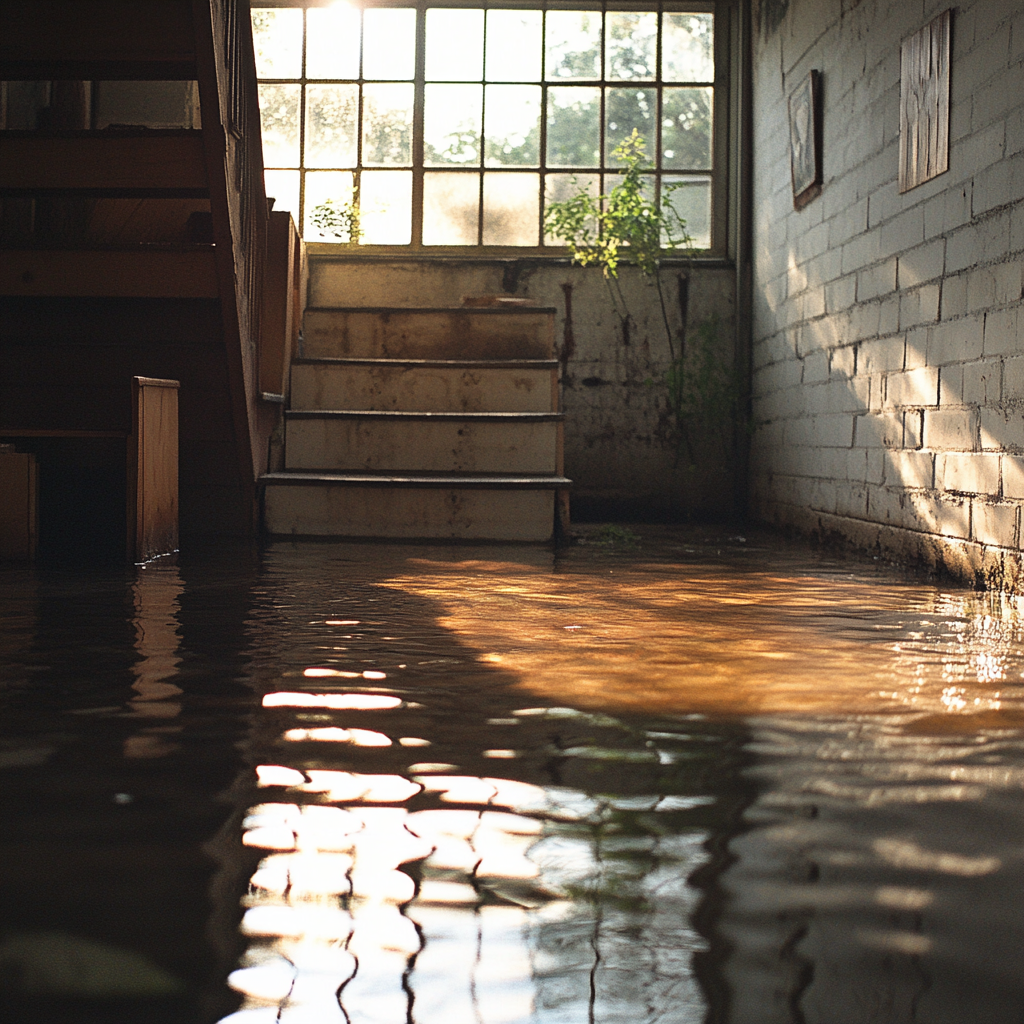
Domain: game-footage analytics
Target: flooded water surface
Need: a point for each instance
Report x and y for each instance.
(665, 779)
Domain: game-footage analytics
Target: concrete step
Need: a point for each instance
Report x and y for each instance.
(425, 385)
(462, 333)
(424, 442)
(518, 508)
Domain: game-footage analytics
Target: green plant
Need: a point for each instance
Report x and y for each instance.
(338, 218)
(627, 226)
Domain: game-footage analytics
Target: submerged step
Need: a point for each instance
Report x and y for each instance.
(411, 442)
(412, 507)
(420, 385)
(459, 333)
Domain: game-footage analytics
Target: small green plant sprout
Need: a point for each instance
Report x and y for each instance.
(341, 219)
(624, 226)
(612, 535)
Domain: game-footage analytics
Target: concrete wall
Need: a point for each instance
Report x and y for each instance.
(888, 370)
(621, 450)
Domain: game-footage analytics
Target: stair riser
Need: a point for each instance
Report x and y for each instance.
(410, 514)
(423, 389)
(442, 446)
(427, 334)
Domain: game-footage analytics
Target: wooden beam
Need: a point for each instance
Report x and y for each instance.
(168, 164)
(120, 273)
(97, 39)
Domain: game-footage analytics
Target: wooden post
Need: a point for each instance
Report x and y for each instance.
(153, 469)
(19, 509)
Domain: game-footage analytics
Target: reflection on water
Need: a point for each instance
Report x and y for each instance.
(694, 780)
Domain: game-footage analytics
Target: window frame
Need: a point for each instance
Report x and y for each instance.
(722, 129)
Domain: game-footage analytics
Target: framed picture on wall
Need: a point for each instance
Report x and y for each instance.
(805, 139)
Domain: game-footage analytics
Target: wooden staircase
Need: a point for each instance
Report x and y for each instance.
(427, 424)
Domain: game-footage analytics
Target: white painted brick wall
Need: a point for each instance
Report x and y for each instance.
(891, 377)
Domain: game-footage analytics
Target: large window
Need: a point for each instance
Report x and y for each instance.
(448, 126)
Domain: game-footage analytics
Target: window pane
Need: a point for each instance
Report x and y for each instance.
(328, 193)
(512, 125)
(688, 48)
(626, 109)
(277, 41)
(387, 125)
(574, 126)
(331, 125)
(559, 187)
(573, 45)
(451, 124)
(455, 45)
(389, 43)
(332, 42)
(450, 208)
(513, 46)
(686, 128)
(511, 208)
(692, 201)
(283, 188)
(385, 203)
(631, 49)
(612, 181)
(279, 119)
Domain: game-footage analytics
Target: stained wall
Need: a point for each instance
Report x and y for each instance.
(888, 365)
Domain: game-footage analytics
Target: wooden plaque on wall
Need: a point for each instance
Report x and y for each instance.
(805, 140)
(924, 103)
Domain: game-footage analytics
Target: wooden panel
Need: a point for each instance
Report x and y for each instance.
(278, 322)
(445, 512)
(426, 387)
(153, 469)
(104, 163)
(19, 510)
(430, 333)
(142, 273)
(375, 442)
(97, 39)
(924, 104)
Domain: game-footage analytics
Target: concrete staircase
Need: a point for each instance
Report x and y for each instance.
(427, 424)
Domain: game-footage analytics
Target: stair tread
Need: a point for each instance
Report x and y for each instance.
(399, 415)
(475, 480)
(456, 364)
(446, 310)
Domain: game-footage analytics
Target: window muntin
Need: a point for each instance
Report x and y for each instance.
(508, 106)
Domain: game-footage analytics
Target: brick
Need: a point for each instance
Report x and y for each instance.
(825, 333)
(956, 341)
(994, 524)
(951, 385)
(879, 356)
(919, 306)
(979, 150)
(916, 353)
(913, 428)
(877, 280)
(903, 232)
(889, 315)
(1001, 429)
(979, 242)
(815, 367)
(864, 321)
(921, 264)
(842, 362)
(875, 469)
(1013, 476)
(913, 387)
(951, 430)
(1000, 332)
(1012, 394)
(982, 382)
(954, 297)
(967, 473)
(879, 430)
(909, 469)
(851, 499)
(841, 293)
